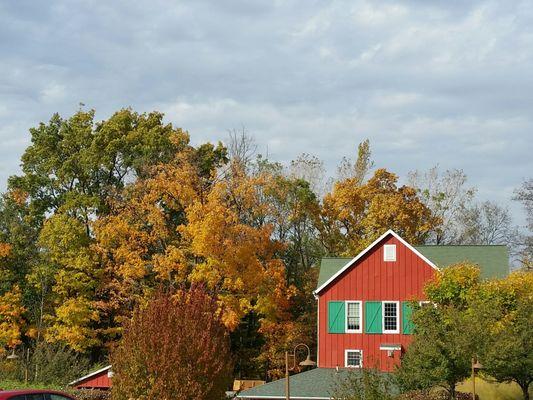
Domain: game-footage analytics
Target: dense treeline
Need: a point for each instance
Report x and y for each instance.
(106, 213)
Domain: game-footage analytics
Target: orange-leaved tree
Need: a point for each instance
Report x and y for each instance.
(184, 224)
(353, 214)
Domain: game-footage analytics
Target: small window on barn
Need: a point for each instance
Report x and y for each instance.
(353, 358)
(389, 252)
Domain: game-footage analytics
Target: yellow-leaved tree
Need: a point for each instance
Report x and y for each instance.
(11, 319)
(183, 224)
(354, 214)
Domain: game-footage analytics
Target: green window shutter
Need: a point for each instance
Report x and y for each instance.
(336, 316)
(407, 322)
(373, 317)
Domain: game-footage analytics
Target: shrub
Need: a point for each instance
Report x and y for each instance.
(174, 348)
(45, 364)
(87, 394)
(365, 384)
(433, 395)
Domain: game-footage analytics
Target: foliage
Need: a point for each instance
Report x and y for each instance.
(359, 169)
(104, 213)
(508, 350)
(447, 196)
(354, 215)
(486, 223)
(46, 364)
(487, 319)
(525, 240)
(365, 384)
(443, 344)
(433, 395)
(57, 364)
(90, 394)
(11, 318)
(440, 354)
(175, 347)
(454, 285)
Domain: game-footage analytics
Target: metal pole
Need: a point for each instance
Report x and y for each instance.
(287, 385)
(27, 365)
(473, 380)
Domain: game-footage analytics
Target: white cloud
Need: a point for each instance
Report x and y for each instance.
(428, 82)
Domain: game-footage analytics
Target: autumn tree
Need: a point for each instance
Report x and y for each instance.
(525, 239)
(360, 168)
(309, 168)
(68, 173)
(444, 338)
(503, 310)
(11, 319)
(174, 347)
(490, 320)
(354, 215)
(447, 195)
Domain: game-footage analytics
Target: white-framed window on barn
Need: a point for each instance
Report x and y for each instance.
(354, 317)
(353, 358)
(391, 317)
(389, 252)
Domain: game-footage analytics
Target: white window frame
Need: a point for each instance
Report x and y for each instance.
(397, 330)
(360, 330)
(346, 358)
(389, 246)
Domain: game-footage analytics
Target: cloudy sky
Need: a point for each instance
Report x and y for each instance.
(429, 82)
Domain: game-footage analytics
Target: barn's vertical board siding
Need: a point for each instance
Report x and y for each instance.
(372, 279)
(101, 381)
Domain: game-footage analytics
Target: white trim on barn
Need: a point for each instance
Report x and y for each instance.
(361, 254)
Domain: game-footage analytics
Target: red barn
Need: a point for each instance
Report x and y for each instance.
(364, 308)
(100, 379)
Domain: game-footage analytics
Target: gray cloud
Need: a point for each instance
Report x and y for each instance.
(445, 82)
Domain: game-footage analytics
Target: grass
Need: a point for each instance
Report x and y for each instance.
(492, 391)
(11, 385)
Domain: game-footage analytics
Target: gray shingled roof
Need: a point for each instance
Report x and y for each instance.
(318, 383)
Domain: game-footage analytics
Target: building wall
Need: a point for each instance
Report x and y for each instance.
(100, 381)
(372, 279)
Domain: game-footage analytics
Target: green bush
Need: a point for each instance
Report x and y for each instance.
(364, 384)
(46, 364)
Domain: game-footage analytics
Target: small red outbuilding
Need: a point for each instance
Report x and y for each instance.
(100, 379)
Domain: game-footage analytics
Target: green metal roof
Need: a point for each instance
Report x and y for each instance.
(492, 260)
(318, 383)
(329, 267)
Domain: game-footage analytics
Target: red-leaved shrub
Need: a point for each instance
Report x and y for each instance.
(175, 347)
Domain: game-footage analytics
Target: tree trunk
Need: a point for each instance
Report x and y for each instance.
(525, 390)
(451, 391)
